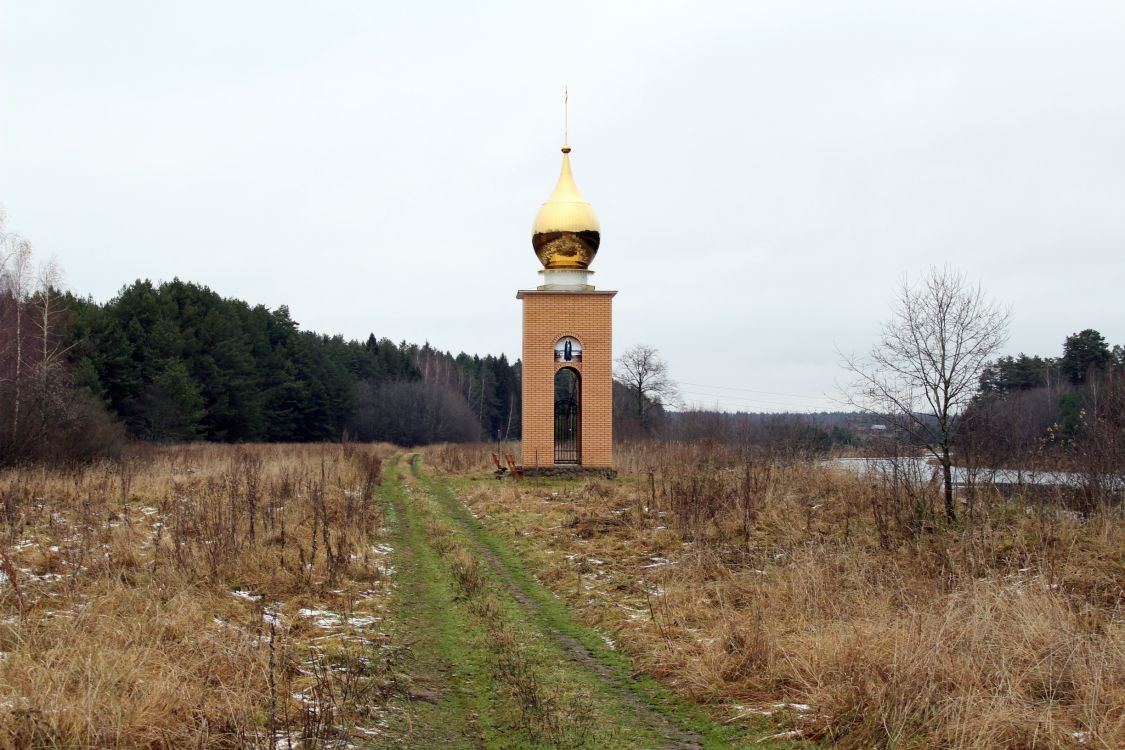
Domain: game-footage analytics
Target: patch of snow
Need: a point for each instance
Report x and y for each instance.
(387, 570)
(271, 616)
(359, 621)
(799, 707)
(792, 734)
(326, 619)
(741, 712)
(323, 618)
(45, 577)
(246, 595)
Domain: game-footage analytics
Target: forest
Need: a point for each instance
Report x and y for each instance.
(1028, 410)
(175, 361)
(279, 553)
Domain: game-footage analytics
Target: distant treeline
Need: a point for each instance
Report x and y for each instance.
(783, 432)
(176, 361)
(1072, 405)
(1028, 410)
(1086, 356)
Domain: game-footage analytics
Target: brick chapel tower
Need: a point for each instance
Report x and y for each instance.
(567, 339)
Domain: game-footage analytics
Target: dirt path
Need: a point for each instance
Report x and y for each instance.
(498, 661)
(443, 684)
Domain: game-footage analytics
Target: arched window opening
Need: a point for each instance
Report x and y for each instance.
(568, 413)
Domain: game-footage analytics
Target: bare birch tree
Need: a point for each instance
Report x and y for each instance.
(48, 312)
(925, 368)
(32, 350)
(645, 375)
(15, 279)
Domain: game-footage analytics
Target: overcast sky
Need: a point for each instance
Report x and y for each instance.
(764, 173)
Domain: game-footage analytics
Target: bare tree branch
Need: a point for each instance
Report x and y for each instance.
(645, 375)
(926, 366)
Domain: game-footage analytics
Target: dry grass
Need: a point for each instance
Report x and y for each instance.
(202, 596)
(768, 586)
(545, 708)
(461, 458)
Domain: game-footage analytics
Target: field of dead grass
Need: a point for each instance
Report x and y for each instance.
(853, 616)
(195, 596)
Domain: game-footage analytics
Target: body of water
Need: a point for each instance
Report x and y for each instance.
(925, 468)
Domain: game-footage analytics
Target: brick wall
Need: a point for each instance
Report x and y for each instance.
(547, 317)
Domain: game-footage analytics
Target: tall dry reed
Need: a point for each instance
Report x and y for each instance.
(849, 611)
(157, 601)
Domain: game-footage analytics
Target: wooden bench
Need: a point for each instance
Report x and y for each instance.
(517, 472)
(501, 470)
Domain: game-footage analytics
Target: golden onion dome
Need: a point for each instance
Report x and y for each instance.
(566, 233)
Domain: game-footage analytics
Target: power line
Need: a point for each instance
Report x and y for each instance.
(722, 397)
(751, 390)
(751, 401)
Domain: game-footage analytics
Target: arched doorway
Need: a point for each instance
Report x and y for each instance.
(568, 416)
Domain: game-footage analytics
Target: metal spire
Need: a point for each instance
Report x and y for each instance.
(566, 119)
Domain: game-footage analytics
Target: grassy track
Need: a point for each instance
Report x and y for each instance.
(447, 703)
(498, 660)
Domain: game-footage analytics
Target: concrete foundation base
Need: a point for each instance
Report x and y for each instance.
(569, 472)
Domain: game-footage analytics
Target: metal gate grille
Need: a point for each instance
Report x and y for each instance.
(566, 431)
